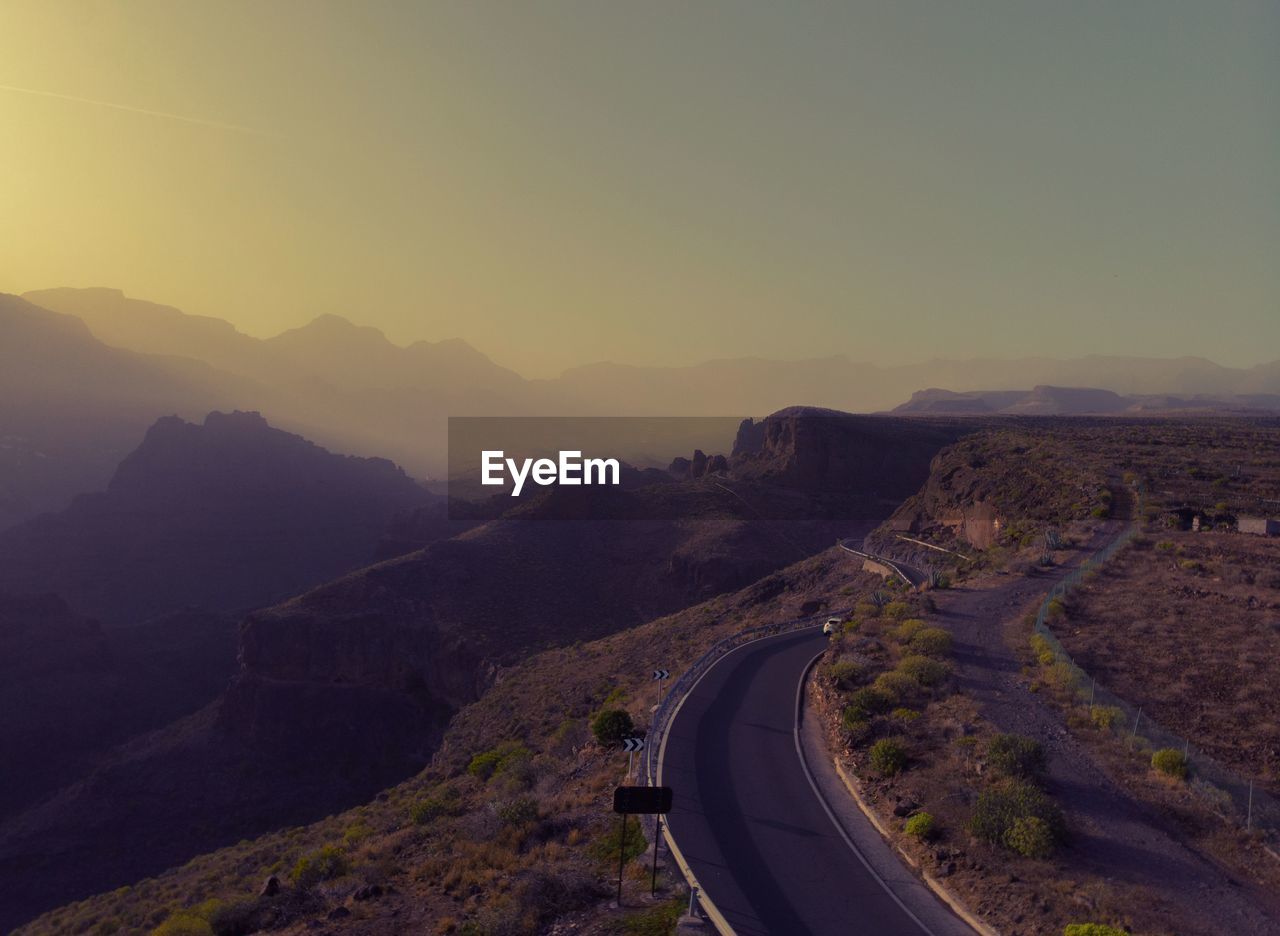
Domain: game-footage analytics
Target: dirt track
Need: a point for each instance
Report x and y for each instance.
(1113, 835)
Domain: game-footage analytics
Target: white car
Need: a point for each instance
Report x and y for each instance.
(832, 626)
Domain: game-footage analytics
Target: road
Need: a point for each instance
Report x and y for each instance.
(747, 818)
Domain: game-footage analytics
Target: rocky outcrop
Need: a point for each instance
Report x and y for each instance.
(822, 450)
(229, 514)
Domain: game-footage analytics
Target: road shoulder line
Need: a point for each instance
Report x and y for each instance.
(943, 894)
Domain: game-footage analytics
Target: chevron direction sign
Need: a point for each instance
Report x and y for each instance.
(631, 745)
(661, 674)
(642, 800)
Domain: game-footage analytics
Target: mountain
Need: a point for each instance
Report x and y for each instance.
(71, 689)
(72, 407)
(225, 515)
(348, 387)
(343, 385)
(349, 687)
(1079, 401)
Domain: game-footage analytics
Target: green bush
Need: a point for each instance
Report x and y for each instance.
(1016, 756)
(612, 726)
(1093, 929)
(605, 849)
(895, 685)
(866, 609)
(1170, 762)
(184, 923)
(1030, 837)
(1106, 717)
(429, 808)
(858, 726)
(932, 641)
(845, 673)
(519, 811)
(999, 807)
(867, 702)
(921, 826)
(888, 757)
(897, 610)
(324, 864)
(923, 670)
(242, 917)
(908, 629)
(501, 759)
(904, 714)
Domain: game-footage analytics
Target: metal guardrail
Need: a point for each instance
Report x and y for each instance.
(681, 687)
(661, 723)
(897, 568)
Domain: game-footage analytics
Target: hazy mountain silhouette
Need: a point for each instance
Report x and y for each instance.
(72, 407)
(347, 387)
(1079, 401)
(227, 515)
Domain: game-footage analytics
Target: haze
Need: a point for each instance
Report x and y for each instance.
(661, 183)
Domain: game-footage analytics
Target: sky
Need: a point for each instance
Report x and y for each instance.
(663, 182)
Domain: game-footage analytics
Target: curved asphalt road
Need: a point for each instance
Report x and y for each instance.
(746, 818)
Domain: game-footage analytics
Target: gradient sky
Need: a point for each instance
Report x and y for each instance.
(661, 183)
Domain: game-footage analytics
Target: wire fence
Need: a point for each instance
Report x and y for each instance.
(1226, 793)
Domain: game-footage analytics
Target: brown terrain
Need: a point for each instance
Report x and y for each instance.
(349, 688)
(1190, 623)
(423, 662)
(511, 850)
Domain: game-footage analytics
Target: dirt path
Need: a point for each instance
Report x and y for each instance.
(1113, 836)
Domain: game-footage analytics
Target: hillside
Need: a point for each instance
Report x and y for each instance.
(436, 847)
(70, 689)
(228, 515)
(348, 688)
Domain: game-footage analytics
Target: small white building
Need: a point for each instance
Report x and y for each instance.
(1259, 526)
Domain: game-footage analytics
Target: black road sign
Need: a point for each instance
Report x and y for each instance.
(661, 674)
(633, 744)
(642, 800)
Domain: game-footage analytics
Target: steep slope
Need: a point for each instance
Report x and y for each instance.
(226, 515)
(348, 688)
(71, 689)
(544, 705)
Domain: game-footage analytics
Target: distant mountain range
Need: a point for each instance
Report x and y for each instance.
(1081, 401)
(84, 372)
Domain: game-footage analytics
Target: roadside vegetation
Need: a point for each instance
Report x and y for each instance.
(511, 826)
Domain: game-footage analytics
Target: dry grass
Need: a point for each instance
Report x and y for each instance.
(1188, 626)
(467, 864)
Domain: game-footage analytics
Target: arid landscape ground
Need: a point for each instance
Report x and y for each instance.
(506, 827)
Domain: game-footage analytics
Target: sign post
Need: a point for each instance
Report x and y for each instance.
(631, 745)
(643, 801)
